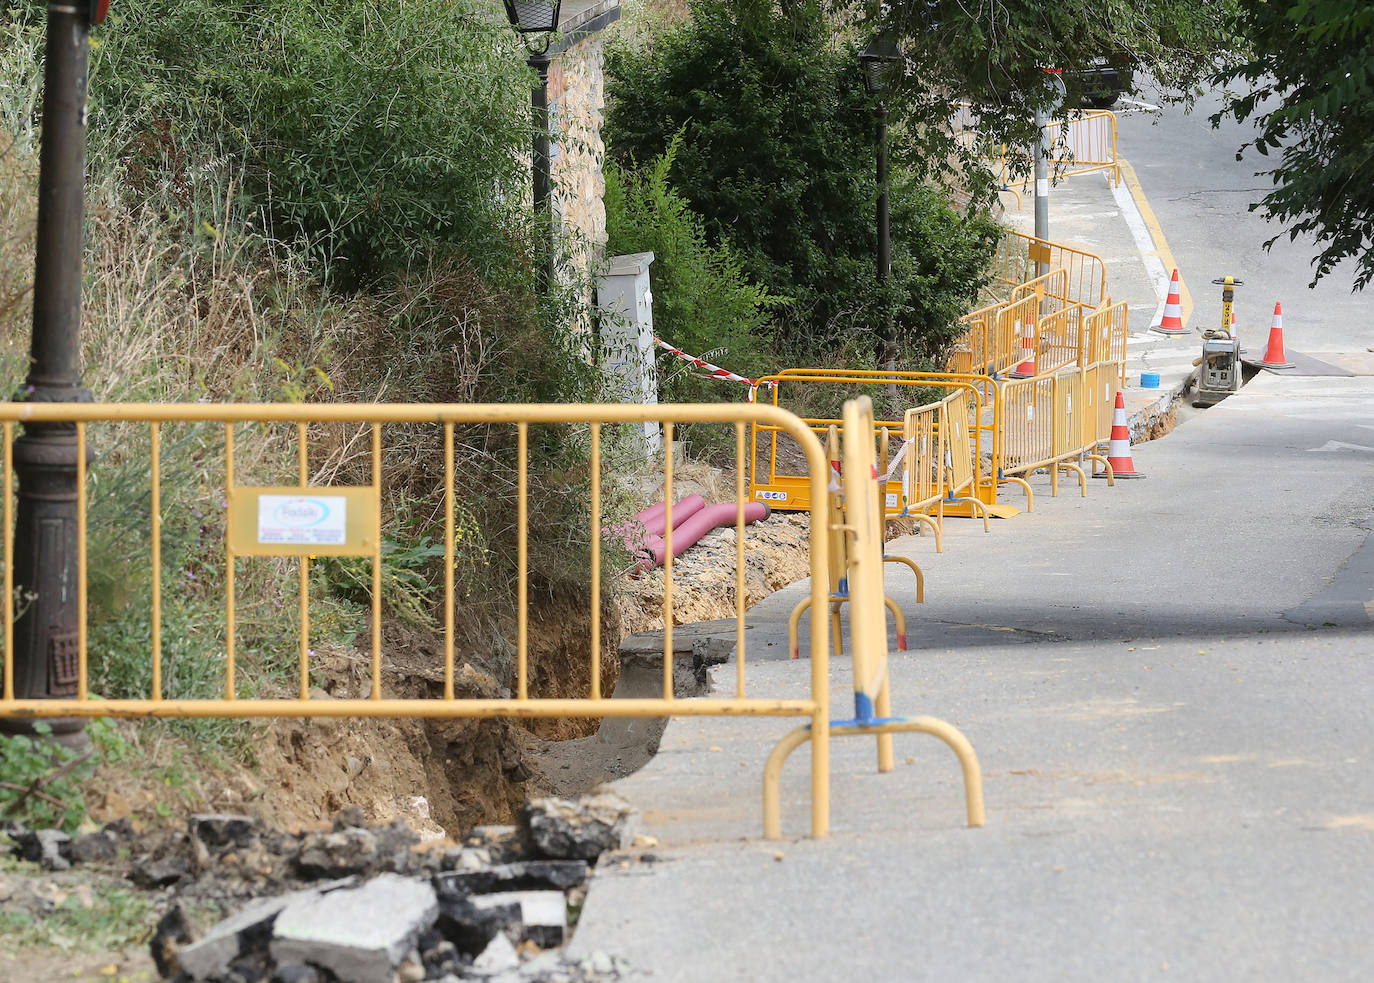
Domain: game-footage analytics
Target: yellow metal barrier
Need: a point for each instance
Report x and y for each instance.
(1078, 144)
(1060, 340)
(1099, 394)
(991, 343)
(1106, 328)
(1012, 320)
(1054, 421)
(961, 466)
(259, 522)
(786, 491)
(839, 564)
(1050, 289)
(923, 478)
(872, 688)
(974, 351)
(1019, 256)
(1084, 144)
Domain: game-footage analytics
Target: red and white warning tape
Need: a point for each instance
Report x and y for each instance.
(713, 371)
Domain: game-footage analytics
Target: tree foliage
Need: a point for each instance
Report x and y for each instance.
(778, 155)
(371, 133)
(1309, 85)
(703, 302)
(992, 54)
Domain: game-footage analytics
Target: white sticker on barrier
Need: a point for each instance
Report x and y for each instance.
(771, 496)
(1030, 412)
(303, 520)
(892, 500)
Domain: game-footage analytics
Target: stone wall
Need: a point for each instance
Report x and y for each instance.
(576, 102)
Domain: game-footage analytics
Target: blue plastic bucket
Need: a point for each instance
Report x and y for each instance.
(1149, 380)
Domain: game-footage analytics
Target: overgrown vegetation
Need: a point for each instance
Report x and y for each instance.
(290, 201)
(777, 154)
(703, 300)
(42, 783)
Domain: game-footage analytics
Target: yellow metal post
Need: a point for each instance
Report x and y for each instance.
(377, 564)
(81, 576)
(9, 560)
(449, 560)
(303, 476)
(668, 560)
(596, 562)
(155, 469)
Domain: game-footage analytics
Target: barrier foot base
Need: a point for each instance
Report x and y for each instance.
(951, 735)
(960, 510)
(1106, 471)
(1025, 487)
(920, 577)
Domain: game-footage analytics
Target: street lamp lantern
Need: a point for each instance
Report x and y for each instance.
(539, 18)
(881, 61)
(533, 16)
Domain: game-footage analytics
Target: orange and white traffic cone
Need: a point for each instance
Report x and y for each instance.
(1275, 357)
(1172, 322)
(1119, 450)
(1027, 367)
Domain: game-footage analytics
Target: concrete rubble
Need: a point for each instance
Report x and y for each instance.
(581, 830)
(354, 904)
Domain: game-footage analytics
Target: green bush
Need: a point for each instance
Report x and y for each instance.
(703, 302)
(42, 782)
(302, 200)
(372, 133)
(778, 156)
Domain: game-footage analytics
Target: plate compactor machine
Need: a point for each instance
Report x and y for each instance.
(1219, 369)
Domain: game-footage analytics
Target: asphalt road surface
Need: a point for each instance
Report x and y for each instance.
(1168, 683)
(1201, 195)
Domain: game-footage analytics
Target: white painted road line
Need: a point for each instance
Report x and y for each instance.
(1145, 244)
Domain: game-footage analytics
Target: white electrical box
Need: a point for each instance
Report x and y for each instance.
(627, 335)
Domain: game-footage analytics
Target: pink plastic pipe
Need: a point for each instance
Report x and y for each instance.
(641, 528)
(689, 533)
(684, 509)
(644, 515)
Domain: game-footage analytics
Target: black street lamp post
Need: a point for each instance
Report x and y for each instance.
(880, 60)
(46, 632)
(539, 19)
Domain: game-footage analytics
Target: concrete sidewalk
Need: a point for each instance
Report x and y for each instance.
(1117, 224)
(1173, 735)
(1167, 685)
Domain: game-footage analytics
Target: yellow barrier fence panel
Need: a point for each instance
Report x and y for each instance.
(1104, 385)
(974, 351)
(1084, 144)
(958, 444)
(872, 687)
(1051, 290)
(1059, 339)
(1107, 328)
(1018, 255)
(1012, 321)
(1027, 416)
(963, 458)
(312, 517)
(868, 627)
(923, 486)
(770, 480)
